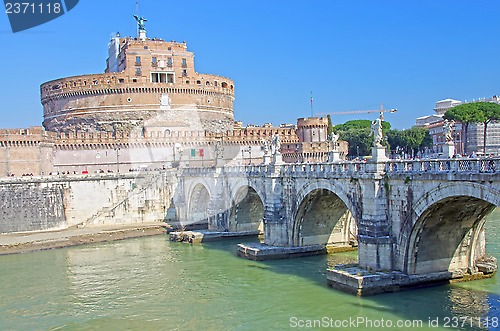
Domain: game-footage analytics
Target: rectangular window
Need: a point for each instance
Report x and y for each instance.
(170, 78)
(138, 71)
(154, 61)
(158, 77)
(184, 73)
(184, 63)
(138, 60)
(169, 62)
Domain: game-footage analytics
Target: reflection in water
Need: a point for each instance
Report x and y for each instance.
(466, 302)
(151, 283)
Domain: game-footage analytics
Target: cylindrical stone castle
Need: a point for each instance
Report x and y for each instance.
(148, 82)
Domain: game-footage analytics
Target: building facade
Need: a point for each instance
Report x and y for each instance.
(475, 132)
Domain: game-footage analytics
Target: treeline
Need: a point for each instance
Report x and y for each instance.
(473, 113)
(408, 141)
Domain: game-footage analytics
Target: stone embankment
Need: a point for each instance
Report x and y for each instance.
(13, 243)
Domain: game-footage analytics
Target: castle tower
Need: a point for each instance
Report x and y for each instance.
(312, 130)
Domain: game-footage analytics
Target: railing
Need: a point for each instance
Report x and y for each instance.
(484, 165)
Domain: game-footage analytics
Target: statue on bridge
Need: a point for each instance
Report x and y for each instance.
(376, 131)
(266, 146)
(334, 137)
(276, 145)
(448, 130)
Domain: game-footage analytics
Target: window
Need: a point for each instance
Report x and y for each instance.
(170, 78)
(169, 62)
(138, 60)
(154, 61)
(162, 77)
(184, 63)
(138, 71)
(184, 73)
(158, 77)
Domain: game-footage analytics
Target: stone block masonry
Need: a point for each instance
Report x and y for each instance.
(31, 207)
(59, 202)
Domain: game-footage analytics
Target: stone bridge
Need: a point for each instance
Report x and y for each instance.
(413, 221)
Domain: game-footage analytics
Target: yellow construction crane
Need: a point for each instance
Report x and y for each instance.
(381, 110)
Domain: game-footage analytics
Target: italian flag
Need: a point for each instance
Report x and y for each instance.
(199, 152)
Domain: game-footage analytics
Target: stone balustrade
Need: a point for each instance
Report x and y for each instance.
(478, 165)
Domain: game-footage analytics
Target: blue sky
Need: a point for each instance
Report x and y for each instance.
(351, 54)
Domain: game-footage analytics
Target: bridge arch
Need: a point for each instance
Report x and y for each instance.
(323, 216)
(198, 202)
(247, 210)
(446, 228)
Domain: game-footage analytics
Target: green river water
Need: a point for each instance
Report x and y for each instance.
(153, 284)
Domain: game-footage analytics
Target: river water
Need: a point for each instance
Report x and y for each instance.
(153, 284)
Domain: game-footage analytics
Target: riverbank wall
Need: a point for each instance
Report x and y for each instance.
(63, 201)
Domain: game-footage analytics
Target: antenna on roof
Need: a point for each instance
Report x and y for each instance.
(137, 14)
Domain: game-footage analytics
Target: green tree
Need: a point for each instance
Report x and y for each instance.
(491, 113)
(360, 124)
(329, 129)
(359, 141)
(357, 135)
(466, 114)
(410, 140)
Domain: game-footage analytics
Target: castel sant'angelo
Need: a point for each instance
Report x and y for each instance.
(149, 110)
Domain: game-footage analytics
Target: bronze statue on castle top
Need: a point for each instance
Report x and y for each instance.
(140, 22)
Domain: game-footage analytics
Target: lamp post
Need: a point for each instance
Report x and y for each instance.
(328, 158)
